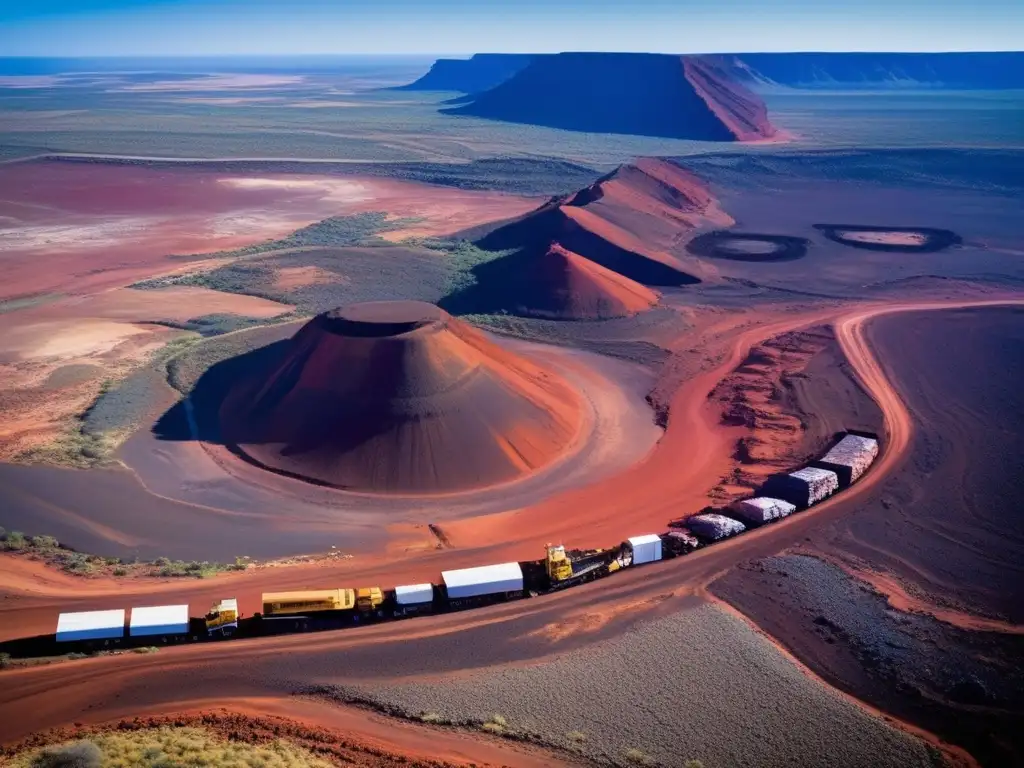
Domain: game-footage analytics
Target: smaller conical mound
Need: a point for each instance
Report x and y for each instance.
(400, 397)
(563, 285)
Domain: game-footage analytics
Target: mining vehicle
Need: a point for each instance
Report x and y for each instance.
(222, 620)
(308, 601)
(369, 600)
(565, 568)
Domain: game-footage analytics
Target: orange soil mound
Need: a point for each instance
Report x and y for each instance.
(627, 221)
(400, 397)
(563, 285)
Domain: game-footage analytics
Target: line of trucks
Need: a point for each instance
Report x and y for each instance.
(309, 610)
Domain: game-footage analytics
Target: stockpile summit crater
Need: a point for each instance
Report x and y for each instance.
(400, 397)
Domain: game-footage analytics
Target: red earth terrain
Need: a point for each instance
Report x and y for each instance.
(628, 221)
(563, 285)
(427, 405)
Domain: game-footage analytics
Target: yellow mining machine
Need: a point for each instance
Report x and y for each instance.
(568, 567)
(369, 599)
(222, 620)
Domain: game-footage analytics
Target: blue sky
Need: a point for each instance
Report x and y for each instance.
(209, 27)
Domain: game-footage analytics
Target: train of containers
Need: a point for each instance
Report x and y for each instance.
(149, 621)
(782, 495)
(840, 467)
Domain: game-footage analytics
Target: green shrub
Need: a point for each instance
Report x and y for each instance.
(120, 571)
(80, 754)
(44, 542)
(431, 717)
(14, 541)
(499, 720)
(492, 728)
(636, 757)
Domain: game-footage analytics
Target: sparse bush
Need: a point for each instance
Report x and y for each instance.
(499, 720)
(76, 655)
(5, 660)
(14, 541)
(43, 542)
(693, 764)
(492, 728)
(637, 757)
(431, 717)
(146, 649)
(576, 737)
(80, 754)
(122, 571)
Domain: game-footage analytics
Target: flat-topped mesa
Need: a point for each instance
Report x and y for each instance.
(669, 96)
(477, 73)
(400, 397)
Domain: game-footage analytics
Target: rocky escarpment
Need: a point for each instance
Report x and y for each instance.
(683, 97)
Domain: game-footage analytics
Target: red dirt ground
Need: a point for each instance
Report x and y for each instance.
(102, 226)
(694, 454)
(429, 405)
(563, 285)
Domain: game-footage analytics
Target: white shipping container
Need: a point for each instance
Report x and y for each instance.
(646, 548)
(159, 620)
(90, 625)
(483, 580)
(414, 594)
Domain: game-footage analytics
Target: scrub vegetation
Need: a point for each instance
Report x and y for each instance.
(50, 551)
(169, 747)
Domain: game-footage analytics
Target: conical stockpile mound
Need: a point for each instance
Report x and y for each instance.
(563, 285)
(400, 397)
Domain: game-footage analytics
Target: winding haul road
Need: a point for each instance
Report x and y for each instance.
(106, 688)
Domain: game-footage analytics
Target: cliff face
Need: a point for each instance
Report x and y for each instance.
(633, 93)
(479, 73)
(996, 70)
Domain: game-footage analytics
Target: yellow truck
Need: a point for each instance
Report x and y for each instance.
(308, 601)
(567, 568)
(369, 599)
(222, 619)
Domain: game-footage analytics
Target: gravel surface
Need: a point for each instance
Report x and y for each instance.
(700, 684)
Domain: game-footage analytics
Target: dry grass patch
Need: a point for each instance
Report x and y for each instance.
(165, 747)
(638, 757)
